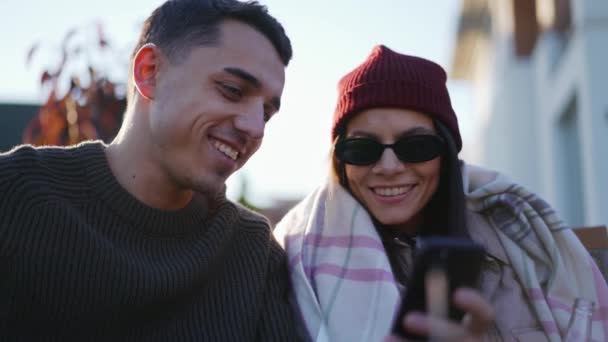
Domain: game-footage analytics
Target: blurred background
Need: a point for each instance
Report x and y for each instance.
(528, 80)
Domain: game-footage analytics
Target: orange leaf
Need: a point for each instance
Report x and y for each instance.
(46, 76)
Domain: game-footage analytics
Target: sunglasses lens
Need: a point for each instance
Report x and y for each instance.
(418, 148)
(410, 149)
(359, 151)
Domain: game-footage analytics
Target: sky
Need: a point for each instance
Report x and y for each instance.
(329, 38)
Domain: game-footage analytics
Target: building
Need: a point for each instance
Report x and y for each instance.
(540, 76)
(13, 120)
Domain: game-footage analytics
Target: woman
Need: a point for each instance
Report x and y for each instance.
(395, 179)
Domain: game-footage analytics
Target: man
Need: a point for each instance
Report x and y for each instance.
(135, 240)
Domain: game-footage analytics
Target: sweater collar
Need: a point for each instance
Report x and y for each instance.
(150, 220)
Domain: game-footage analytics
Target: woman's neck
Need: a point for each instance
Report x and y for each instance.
(410, 228)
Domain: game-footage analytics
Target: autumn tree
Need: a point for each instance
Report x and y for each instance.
(82, 101)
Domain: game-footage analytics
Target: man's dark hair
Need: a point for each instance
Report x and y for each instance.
(179, 25)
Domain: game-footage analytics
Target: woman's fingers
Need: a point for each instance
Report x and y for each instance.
(435, 327)
(478, 319)
(480, 313)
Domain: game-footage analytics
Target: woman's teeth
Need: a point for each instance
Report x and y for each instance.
(395, 191)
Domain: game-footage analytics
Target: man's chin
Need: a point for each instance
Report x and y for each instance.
(210, 187)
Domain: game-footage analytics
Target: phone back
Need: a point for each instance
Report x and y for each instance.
(460, 259)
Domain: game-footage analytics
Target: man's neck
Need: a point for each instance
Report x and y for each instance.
(142, 176)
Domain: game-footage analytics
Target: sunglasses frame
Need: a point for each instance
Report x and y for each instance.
(342, 143)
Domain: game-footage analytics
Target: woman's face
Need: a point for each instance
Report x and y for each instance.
(393, 192)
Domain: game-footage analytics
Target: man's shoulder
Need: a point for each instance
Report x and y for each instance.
(259, 226)
(252, 219)
(24, 159)
(18, 162)
(19, 155)
(27, 169)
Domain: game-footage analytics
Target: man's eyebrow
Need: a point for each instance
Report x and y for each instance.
(244, 75)
(253, 81)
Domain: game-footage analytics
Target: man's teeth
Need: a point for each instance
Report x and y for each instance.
(225, 149)
(396, 191)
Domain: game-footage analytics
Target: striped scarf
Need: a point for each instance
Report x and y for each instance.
(346, 291)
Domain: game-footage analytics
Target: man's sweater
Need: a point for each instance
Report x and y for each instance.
(81, 259)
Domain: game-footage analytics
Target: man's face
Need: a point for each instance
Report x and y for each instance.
(210, 108)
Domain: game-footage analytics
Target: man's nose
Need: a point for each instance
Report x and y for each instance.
(251, 121)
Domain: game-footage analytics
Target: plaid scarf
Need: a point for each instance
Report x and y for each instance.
(549, 260)
(345, 288)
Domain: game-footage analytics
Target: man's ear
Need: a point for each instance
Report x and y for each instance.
(146, 65)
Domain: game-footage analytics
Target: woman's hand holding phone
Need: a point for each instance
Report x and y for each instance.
(440, 302)
(478, 319)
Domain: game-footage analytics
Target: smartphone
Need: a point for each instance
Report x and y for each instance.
(459, 260)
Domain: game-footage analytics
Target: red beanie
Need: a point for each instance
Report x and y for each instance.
(390, 79)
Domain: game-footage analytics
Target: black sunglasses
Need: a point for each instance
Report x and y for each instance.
(409, 149)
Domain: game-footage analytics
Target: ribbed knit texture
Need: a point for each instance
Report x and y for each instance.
(390, 79)
(83, 260)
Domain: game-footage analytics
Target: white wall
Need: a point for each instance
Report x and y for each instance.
(547, 125)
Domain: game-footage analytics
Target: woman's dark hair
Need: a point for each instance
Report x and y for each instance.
(445, 212)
